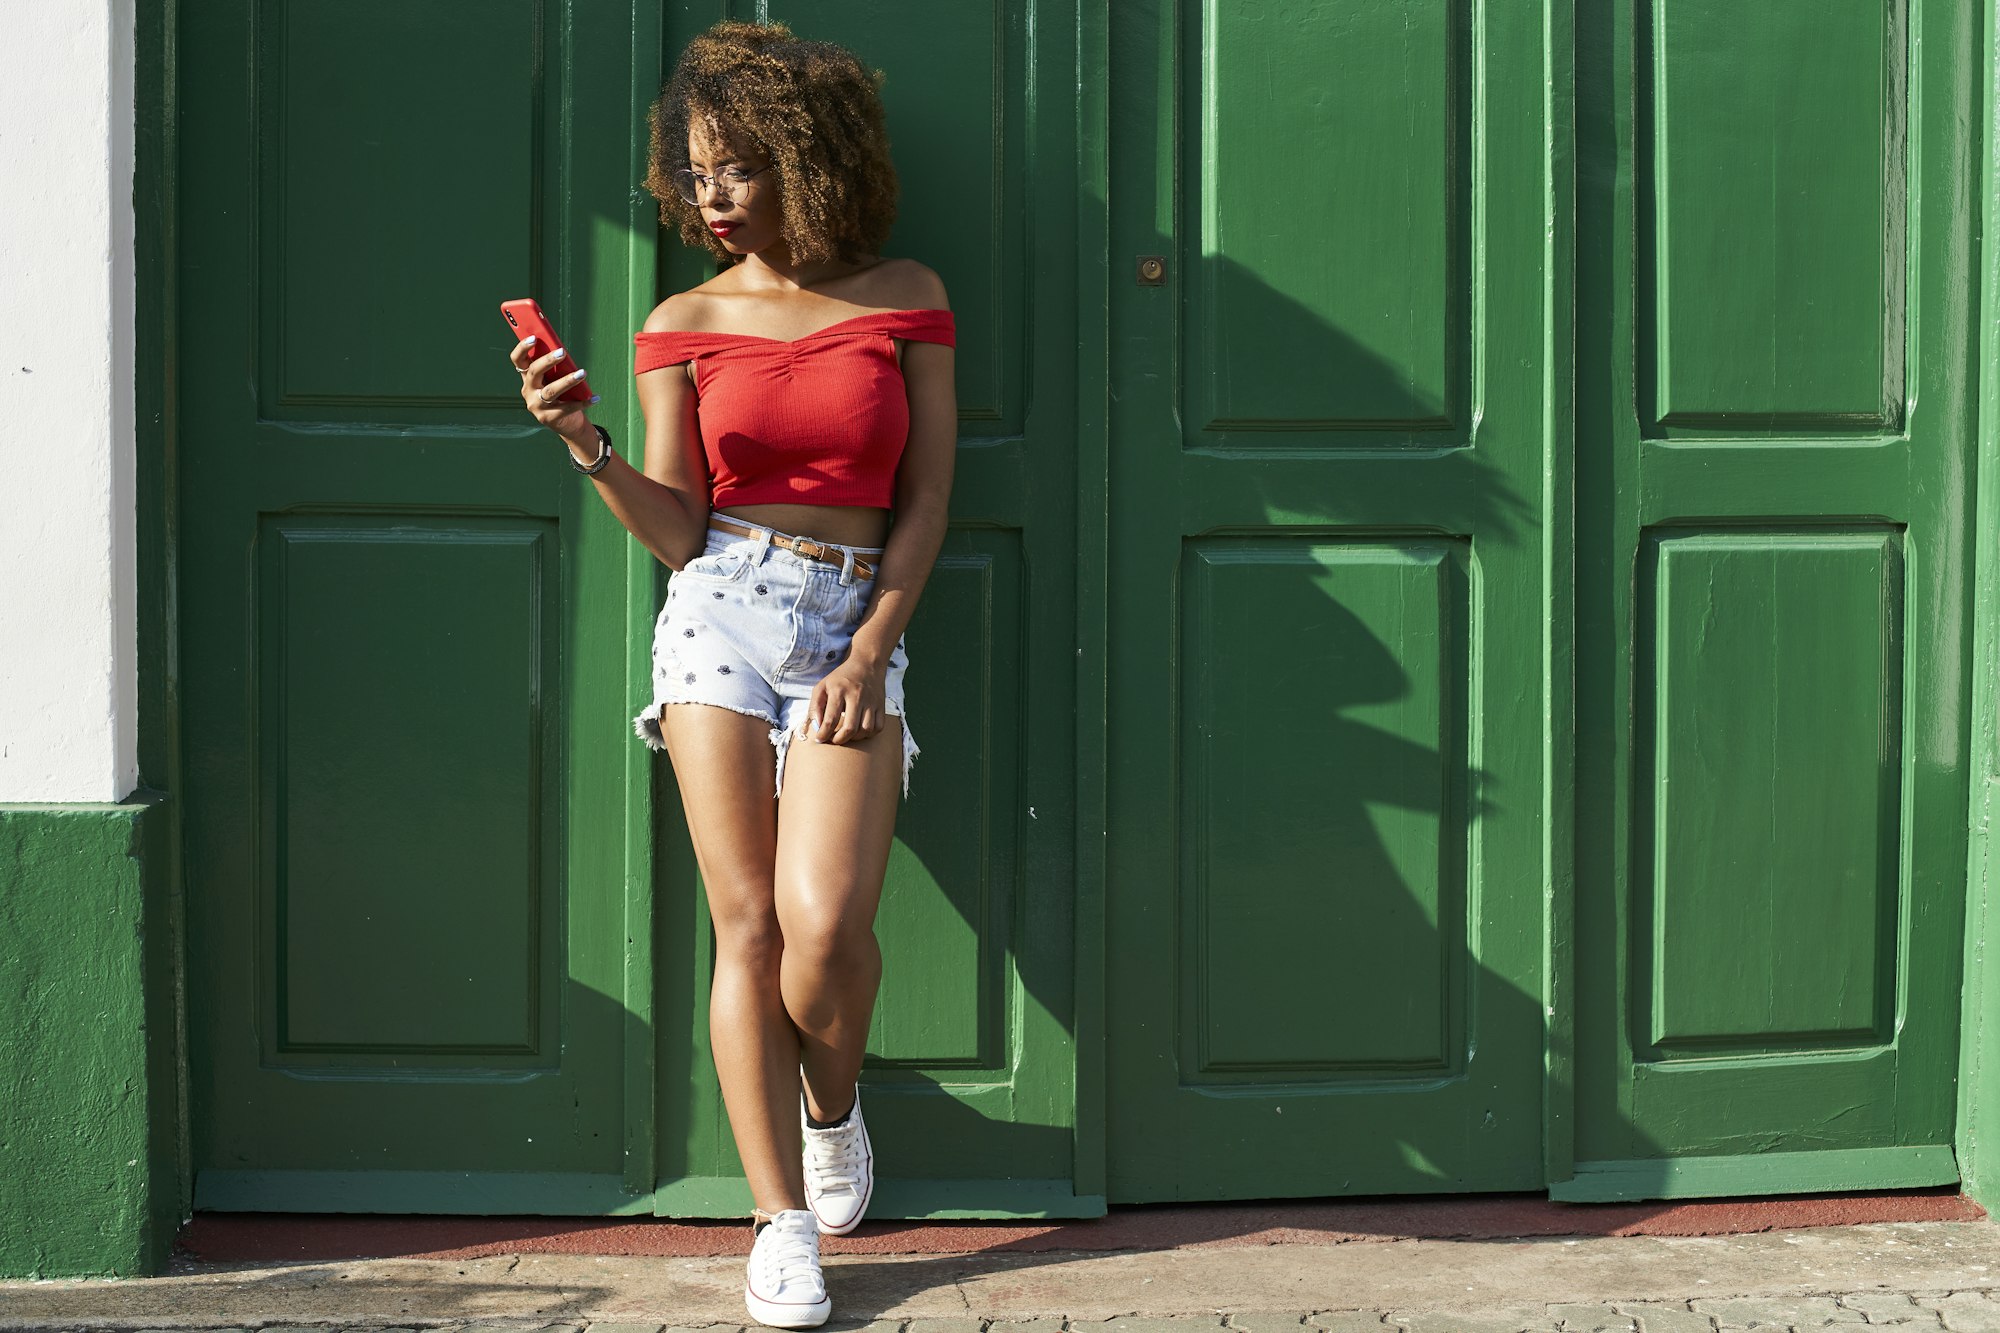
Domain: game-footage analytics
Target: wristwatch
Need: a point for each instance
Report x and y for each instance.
(603, 453)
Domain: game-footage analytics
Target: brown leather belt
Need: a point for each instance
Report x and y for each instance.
(804, 546)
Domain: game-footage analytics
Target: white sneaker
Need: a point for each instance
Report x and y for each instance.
(784, 1287)
(840, 1170)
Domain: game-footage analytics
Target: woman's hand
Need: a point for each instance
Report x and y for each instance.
(847, 704)
(565, 418)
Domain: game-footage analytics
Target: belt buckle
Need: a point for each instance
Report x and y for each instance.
(810, 548)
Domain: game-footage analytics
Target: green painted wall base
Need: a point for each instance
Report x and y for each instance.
(91, 1144)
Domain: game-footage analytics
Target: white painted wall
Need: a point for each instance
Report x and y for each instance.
(68, 579)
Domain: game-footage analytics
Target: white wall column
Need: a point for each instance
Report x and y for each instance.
(68, 574)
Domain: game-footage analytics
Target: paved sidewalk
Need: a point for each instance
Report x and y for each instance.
(1913, 1275)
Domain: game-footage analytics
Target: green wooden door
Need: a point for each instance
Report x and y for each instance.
(447, 946)
(402, 642)
(1774, 452)
(970, 1076)
(1328, 597)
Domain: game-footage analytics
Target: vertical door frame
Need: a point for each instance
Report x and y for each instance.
(640, 979)
(1978, 1110)
(156, 444)
(1559, 733)
(1093, 586)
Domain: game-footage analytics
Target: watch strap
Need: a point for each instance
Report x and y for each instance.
(603, 453)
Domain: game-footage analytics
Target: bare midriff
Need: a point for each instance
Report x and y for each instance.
(848, 525)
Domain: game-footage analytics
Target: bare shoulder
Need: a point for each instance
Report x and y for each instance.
(694, 310)
(915, 285)
(680, 313)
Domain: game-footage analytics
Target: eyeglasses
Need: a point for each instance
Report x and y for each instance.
(730, 181)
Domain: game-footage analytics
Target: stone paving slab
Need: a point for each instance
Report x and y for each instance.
(1890, 1307)
(1969, 1311)
(1662, 1317)
(1528, 1319)
(1933, 1277)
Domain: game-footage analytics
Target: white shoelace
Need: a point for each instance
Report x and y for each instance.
(835, 1157)
(786, 1251)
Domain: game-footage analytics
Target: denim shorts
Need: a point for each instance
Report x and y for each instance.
(752, 627)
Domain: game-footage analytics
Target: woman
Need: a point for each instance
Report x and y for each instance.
(794, 403)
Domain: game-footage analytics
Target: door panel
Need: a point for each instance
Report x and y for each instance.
(448, 625)
(1773, 454)
(1329, 432)
(1308, 619)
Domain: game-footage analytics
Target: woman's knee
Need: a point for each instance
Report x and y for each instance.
(748, 934)
(830, 939)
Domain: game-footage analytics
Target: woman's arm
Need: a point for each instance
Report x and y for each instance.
(666, 506)
(923, 489)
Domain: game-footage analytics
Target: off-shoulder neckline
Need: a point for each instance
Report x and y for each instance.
(760, 338)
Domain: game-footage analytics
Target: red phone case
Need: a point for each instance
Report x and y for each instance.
(525, 317)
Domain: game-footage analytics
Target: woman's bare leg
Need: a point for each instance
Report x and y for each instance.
(724, 765)
(836, 818)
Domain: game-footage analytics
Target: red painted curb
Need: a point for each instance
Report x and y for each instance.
(311, 1237)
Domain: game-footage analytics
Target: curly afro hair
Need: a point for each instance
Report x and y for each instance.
(813, 108)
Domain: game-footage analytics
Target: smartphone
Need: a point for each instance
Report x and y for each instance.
(525, 318)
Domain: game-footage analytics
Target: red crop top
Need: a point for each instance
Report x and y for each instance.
(815, 420)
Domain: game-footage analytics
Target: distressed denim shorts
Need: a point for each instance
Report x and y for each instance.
(752, 627)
